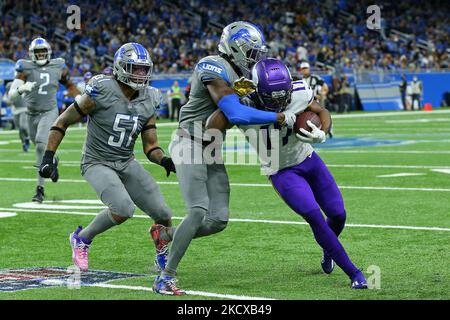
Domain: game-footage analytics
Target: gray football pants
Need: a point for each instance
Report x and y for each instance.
(39, 125)
(122, 185)
(206, 192)
(21, 122)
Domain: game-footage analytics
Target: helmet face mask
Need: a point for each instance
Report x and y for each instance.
(133, 66)
(273, 84)
(40, 51)
(244, 43)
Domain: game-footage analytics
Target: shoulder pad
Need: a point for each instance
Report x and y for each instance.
(211, 68)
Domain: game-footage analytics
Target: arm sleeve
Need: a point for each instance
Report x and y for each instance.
(240, 114)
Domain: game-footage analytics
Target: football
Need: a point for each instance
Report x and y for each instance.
(303, 117)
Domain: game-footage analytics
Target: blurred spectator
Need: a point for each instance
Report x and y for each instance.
(174, 97)
(416, 93)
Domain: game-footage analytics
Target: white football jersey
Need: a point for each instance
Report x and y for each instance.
(288, 150)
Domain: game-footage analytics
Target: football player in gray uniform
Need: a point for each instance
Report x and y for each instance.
(120, 108)
(38, 81)
(205, 186)
(20, 117)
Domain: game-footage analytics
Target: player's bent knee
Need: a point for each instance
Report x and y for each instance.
(124, 209)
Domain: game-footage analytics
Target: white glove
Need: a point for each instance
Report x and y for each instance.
(315, 136)
(289, 119)
(27, 86)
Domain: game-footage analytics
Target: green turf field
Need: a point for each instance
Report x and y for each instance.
(250, 258)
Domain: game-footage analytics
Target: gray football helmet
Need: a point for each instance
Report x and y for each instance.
(133, 65)
(244, 43)
(40, 51)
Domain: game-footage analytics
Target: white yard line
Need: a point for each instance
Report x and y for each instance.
(389, 114)
(256, 185)
(350, 225)
(189, 292)
(401, 174)
(447, 171)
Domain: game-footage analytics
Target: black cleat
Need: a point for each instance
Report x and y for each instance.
(39, 196)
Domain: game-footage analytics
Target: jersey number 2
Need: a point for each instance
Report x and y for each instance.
(123, 130)
(45, 76)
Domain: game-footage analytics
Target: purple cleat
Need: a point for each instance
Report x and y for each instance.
(327, 263)
(359, 281)
(80, 249)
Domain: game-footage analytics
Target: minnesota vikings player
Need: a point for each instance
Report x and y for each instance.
(205, 186)
(302, 179)
(120, 107)
(38, 80)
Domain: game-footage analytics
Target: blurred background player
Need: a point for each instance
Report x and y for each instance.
(416, 93)
(38, 80)
(175, 96)
(20, 117)
(301, 178)
(205, 187)
(315, 82)
(120, 107)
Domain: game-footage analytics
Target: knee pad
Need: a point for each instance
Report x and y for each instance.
(124, 208)
(335, 210)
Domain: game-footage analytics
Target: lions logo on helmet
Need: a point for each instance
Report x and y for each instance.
(40, 51)
(133, 65)
(244, 43)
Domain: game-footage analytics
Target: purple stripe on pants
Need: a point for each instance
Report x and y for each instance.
(307, 188)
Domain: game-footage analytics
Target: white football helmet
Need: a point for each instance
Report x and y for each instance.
(244, 44)
(40, 51)
(133, 65)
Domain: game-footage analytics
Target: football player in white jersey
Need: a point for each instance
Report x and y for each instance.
(301, 179)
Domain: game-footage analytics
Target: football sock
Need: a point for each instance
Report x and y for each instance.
(328, 240)
(40, 149)
(102, 222)
(182, 237)
(337, 223)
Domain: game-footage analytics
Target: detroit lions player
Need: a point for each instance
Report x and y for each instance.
(38, 80)
(204, 186)
(120, 107)
(20, 117)
(302, 179)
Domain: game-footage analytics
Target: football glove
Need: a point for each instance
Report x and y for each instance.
(27, 86)
(289, 119)
(49, 166)
(168, 164)
(315, 136)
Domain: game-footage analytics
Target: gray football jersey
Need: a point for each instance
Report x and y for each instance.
(116, 122)
(291, 151)
(43, 96)
(200, 104)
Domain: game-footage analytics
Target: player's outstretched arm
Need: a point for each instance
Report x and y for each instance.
(237, 113)
(73, 114)
(152, 149)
